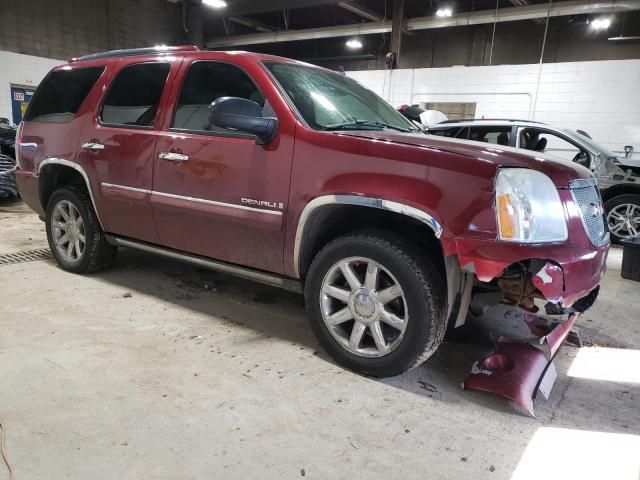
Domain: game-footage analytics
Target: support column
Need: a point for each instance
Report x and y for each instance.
(194, 22)
(396, 33)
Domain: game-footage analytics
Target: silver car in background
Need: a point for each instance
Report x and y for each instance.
(618, 177)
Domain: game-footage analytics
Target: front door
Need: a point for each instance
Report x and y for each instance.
(119, 143)
(216, 192)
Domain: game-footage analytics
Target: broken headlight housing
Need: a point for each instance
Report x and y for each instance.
(528, 207)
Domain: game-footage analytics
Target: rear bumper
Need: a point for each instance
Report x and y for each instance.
(29, 191)
(569, 273)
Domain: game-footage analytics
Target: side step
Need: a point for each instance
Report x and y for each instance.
(243, 272)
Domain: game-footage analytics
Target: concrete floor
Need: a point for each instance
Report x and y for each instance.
(156, 369)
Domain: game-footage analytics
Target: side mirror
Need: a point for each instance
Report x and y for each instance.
(628, 151)
(242, 115)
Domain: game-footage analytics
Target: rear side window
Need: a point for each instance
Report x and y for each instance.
(134, 95)
(495, 135)
(455, 132)
(204, 83)
(61, 93)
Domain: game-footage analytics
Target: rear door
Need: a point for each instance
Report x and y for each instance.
(119, 143)
(216, 192)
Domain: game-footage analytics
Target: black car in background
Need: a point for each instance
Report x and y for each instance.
(8, 188)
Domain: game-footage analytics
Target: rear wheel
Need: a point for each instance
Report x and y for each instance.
(623, 216)
(375, 305)
(75, 238)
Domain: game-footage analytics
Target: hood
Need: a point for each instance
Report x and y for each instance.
(560, 172)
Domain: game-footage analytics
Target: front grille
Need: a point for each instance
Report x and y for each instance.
(587, 198)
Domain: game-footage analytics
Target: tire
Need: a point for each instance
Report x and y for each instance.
(616, 205)
(421, 307)
(97, 253)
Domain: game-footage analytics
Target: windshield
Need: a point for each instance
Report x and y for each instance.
(331, 101)
(595, 147)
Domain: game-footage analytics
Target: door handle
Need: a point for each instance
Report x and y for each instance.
(92, 146)
(173, 156)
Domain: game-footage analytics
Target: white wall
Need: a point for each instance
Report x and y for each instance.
(600, 97)
(18, 69)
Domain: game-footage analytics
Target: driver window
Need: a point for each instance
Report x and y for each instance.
(206, 82)
(134, 95)
(552, 144)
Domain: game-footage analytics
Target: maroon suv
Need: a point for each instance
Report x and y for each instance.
(299, 177)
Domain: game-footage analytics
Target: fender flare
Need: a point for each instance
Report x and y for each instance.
(361, 201)
(79, 169)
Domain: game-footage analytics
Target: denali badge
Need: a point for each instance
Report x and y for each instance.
(261, 203)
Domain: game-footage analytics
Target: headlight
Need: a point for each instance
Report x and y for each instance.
(528, 207)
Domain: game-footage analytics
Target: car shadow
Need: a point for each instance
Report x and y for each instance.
(272, 312)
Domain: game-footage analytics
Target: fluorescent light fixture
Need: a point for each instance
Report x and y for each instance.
(444, 12)
(354, 44)
(600, 23)
(215, 3)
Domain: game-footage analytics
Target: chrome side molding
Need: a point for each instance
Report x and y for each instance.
(361, 201)
(243, 272)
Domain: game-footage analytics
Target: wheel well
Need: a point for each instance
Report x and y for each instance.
(333, 221)
(53, 177)
(621, 189)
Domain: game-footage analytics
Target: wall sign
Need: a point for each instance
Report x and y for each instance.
(20, 98)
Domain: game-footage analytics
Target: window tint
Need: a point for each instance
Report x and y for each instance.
(204, 83)
(61, 93)
(495, 135)
(134, 95)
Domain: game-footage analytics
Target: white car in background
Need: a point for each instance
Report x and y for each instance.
(618, 177)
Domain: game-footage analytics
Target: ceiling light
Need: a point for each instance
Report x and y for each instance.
(215, 3)
(354, 44)
(600, 23)
(444, 12)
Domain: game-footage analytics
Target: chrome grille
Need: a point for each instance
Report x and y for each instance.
(587, 198)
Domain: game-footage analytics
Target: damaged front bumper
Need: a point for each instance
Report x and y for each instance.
(560, 273)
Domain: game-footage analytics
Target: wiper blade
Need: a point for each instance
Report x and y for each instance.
(367, 124)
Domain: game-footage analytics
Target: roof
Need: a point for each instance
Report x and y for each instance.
(489, 121)
(179, 49)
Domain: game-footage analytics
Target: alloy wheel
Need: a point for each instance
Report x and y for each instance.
(624, 220)
(364, 307)
(68, 231)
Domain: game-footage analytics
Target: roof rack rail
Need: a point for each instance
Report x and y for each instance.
(490, 120)
(136, 51)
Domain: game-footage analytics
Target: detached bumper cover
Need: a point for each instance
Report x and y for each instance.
(518, 371)
(569, 273)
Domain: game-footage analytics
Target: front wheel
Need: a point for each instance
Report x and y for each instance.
(75, 238)
(375, 305)
(623, 216)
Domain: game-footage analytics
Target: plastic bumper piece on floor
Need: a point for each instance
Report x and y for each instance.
(517, 370)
